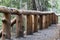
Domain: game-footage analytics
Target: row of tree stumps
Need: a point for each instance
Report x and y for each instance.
(43, 19)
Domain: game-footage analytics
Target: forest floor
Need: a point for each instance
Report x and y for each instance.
(52, 33)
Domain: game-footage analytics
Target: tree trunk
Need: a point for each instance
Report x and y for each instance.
(34, 5)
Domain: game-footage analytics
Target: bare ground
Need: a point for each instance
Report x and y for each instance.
(52, 33)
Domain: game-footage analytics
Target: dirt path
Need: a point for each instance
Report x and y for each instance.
(52, 33)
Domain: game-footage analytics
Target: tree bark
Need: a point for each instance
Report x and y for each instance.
(34, 5)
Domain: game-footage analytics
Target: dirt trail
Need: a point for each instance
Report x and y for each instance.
(52, 33)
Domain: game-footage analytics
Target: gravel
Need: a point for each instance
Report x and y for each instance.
(51, 33)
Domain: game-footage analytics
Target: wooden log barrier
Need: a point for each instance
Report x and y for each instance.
(6, 26)
(53, 18)
(19, 26)
(29, 25)
(44, 21)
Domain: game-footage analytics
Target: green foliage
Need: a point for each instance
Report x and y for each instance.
(15, 3)
(29, 3)
(5, 3)
(58, 6)
(47, 4)
(10, 3)
(1, 20)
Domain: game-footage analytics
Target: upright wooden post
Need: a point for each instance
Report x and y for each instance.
(50, 18)
(35, 23)
(53, 21)
(19, 26)
(44, 21)
(6, 26)
(40, 21)
(56, 19)
(47, 20)
(29, 25)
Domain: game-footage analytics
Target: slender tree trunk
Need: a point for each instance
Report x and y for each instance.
(34, 5)
(39, 5)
